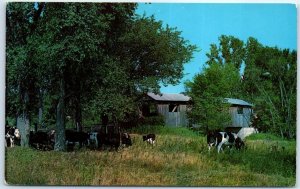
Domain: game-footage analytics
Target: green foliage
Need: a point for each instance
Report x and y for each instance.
(270, 83)
(231, 50)
(155, 53)
(208, 90)
(153, 120)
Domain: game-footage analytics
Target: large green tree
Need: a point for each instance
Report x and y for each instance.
(72, 47)
(270, 83)
(21, 90)
(208, 90)
(144, 56)
(96, 57)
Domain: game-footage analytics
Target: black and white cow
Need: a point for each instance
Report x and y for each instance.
(150, 138)
(12, 136)
(126, 140)
(220, 139)
(93, 139)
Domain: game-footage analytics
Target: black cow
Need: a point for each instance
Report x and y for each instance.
(126, 140)
(109, 136)
(219, 139)
(51, 136)
(150, 138)
(73, 137)
(41, 140)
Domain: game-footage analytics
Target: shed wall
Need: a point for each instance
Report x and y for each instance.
(240, 120)
(174, 119)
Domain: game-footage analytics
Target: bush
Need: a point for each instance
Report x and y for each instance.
(153, 120)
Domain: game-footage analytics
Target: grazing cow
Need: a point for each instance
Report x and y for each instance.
(12, 136)
(73, 137)
(126, 140)
(150, 138)
(219, 139)
(40, 140)
(239, 143)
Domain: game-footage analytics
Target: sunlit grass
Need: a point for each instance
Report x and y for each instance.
(179, 158)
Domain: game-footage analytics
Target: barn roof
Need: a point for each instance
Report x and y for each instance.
(238, 102)
(169, 97)
(185, 98)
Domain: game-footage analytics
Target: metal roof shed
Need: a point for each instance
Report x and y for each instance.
(240, 111)
(240, 102)
(172, 106)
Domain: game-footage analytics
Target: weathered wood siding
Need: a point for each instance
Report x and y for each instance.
(173, 119)
(240, 120)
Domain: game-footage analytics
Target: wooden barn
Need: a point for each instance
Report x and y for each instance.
(172, 106)
(240, 111)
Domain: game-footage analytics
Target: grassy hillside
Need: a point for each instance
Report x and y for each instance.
(179, 158)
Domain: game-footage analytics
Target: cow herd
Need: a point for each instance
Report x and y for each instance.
(108, 137)
(102, 138)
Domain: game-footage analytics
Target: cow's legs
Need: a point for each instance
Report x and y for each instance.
(96, 142)
(220, 147)
(12, 142)
(209, 147)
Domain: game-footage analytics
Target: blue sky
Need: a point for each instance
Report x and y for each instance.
(202, 24)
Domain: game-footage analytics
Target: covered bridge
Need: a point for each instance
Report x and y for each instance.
(240, 111)
(172, 106)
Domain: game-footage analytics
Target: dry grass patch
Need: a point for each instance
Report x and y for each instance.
(175, 160)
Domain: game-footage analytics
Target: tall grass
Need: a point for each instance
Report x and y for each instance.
(179, 158)
(163, 130)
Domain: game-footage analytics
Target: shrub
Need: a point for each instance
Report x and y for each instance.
(153, 120)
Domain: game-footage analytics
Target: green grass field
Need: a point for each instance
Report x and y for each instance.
(179, 158)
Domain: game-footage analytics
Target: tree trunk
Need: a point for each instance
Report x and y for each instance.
(78, 114)
(104, 119)
(23, 126)
(41, 108)
(60, 119)
(23, 119)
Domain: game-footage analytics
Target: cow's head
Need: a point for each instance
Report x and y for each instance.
(126, 139)
(211, 140)
(144, 137)
(239, 143)
(17, 133)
